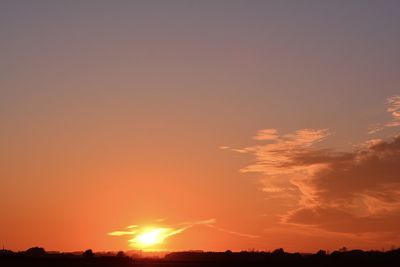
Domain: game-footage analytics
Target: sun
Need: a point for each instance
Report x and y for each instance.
(150, 237)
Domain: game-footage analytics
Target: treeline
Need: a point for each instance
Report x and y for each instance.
(281, 258)
(39, 257)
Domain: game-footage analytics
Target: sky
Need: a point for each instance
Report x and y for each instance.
(212, 125)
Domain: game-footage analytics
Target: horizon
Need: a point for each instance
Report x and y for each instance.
(38, 257)
(199, 125)
(161, 254)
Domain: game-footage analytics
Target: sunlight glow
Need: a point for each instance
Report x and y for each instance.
(150, 237)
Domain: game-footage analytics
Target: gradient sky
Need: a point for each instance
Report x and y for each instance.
(245, 124)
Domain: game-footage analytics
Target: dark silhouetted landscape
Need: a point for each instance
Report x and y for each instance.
(39, 257)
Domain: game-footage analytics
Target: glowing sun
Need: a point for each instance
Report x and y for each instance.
(150, 237)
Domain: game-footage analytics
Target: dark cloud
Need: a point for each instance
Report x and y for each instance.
(352, 192)
(337, 220)
(348, 192)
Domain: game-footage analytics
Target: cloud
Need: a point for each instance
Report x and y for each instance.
(345, 192)
(355, 192)
(272, 156)
(232, 232)
(275, 158)
(267, 134)
(340, 221)
(375, 128)
(393, 107)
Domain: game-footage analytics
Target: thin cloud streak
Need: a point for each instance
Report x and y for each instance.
(232, 232)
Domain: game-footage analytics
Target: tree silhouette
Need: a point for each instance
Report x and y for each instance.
(35, 251)
(120, 254)
(88, 254)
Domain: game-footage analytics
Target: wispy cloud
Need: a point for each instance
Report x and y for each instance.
(393, 107)
(274, 159)
(343, 192)
(267, 134)
(394, 110)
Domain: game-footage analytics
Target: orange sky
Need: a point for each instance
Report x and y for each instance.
(230, 125)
